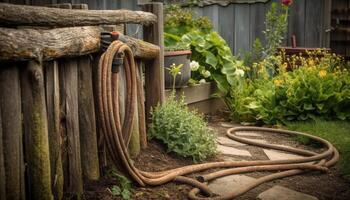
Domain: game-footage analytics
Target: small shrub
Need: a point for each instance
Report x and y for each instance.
(181, 130)
(124, 185)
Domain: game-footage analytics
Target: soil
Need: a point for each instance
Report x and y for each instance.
(155, 158)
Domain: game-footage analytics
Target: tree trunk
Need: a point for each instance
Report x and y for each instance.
(42, 16)
(41, 44)
(87, 123)
(53, 117)
(10, 103)
(35, 131)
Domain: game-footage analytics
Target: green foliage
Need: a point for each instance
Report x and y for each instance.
(337, 132)
(179, 21)
(124, 185)
(181, 130)
(213, 55)
(317, 87)
(276, 27)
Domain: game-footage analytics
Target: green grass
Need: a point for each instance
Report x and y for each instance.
(336, 132)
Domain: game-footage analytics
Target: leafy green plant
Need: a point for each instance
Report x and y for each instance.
(317, 87)
(181, 130)
(276, 27)
(124, 185)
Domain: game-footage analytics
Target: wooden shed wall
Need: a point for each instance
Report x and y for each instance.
(240, 24)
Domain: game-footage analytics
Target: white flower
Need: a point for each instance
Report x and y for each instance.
(206, 73)
(179, 73)
(194, 65)
(239, 72)
(202, 81)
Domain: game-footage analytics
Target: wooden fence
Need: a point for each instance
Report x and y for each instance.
(50, 140)
(241, 23)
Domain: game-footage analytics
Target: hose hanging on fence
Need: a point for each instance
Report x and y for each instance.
(117, 136)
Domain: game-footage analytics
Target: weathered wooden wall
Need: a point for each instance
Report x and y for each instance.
(241, 24)
(340, 35)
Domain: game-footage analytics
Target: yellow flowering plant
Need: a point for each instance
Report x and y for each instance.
(302, 88)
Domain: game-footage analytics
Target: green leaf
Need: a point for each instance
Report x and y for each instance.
(211, 59)
(116, 191)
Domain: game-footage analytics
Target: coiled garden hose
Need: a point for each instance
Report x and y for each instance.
(117, 136)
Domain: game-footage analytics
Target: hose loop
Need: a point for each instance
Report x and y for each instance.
(117, 134)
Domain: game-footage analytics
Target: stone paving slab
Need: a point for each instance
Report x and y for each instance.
(232, 151)
(248, 133)
(278, 155)
(227, 184)
(228, 125)
(228, 141)
(282, 193)
(257, 140)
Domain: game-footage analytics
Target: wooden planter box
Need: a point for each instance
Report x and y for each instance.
(200, 97)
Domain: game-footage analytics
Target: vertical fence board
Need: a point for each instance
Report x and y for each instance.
(53, 118)
(10, 103)
(226, 24)
(70, 122)
(141, 106)
(212, 12)
(87, 123)
(313, 24)
(297, 22)
(154, 80)
(2, 165)
(100, 140)
(242, 40)
(35, 131)
(257, 18)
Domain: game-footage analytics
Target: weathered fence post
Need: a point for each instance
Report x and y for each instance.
(141, 105)
(154, 77)
(2, 165)
(35, 131)
(68, 74)
(11, 116)
(87, 123)
(53, 118)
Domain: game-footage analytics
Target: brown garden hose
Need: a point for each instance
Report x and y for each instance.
(117, 136)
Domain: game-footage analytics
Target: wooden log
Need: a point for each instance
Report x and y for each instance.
(154, 71)
(68, 73)
(53, 118)
(10, 103)
(24, 44)
(141, 49)
(2, 165)
(43, 44)
(36, 132)
(87, 123)
(42, 16)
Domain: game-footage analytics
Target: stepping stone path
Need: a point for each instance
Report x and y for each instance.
(282, 193)
(228, 125)
(277, 155)
(228, 141)
(232, 151)
(225, 185)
